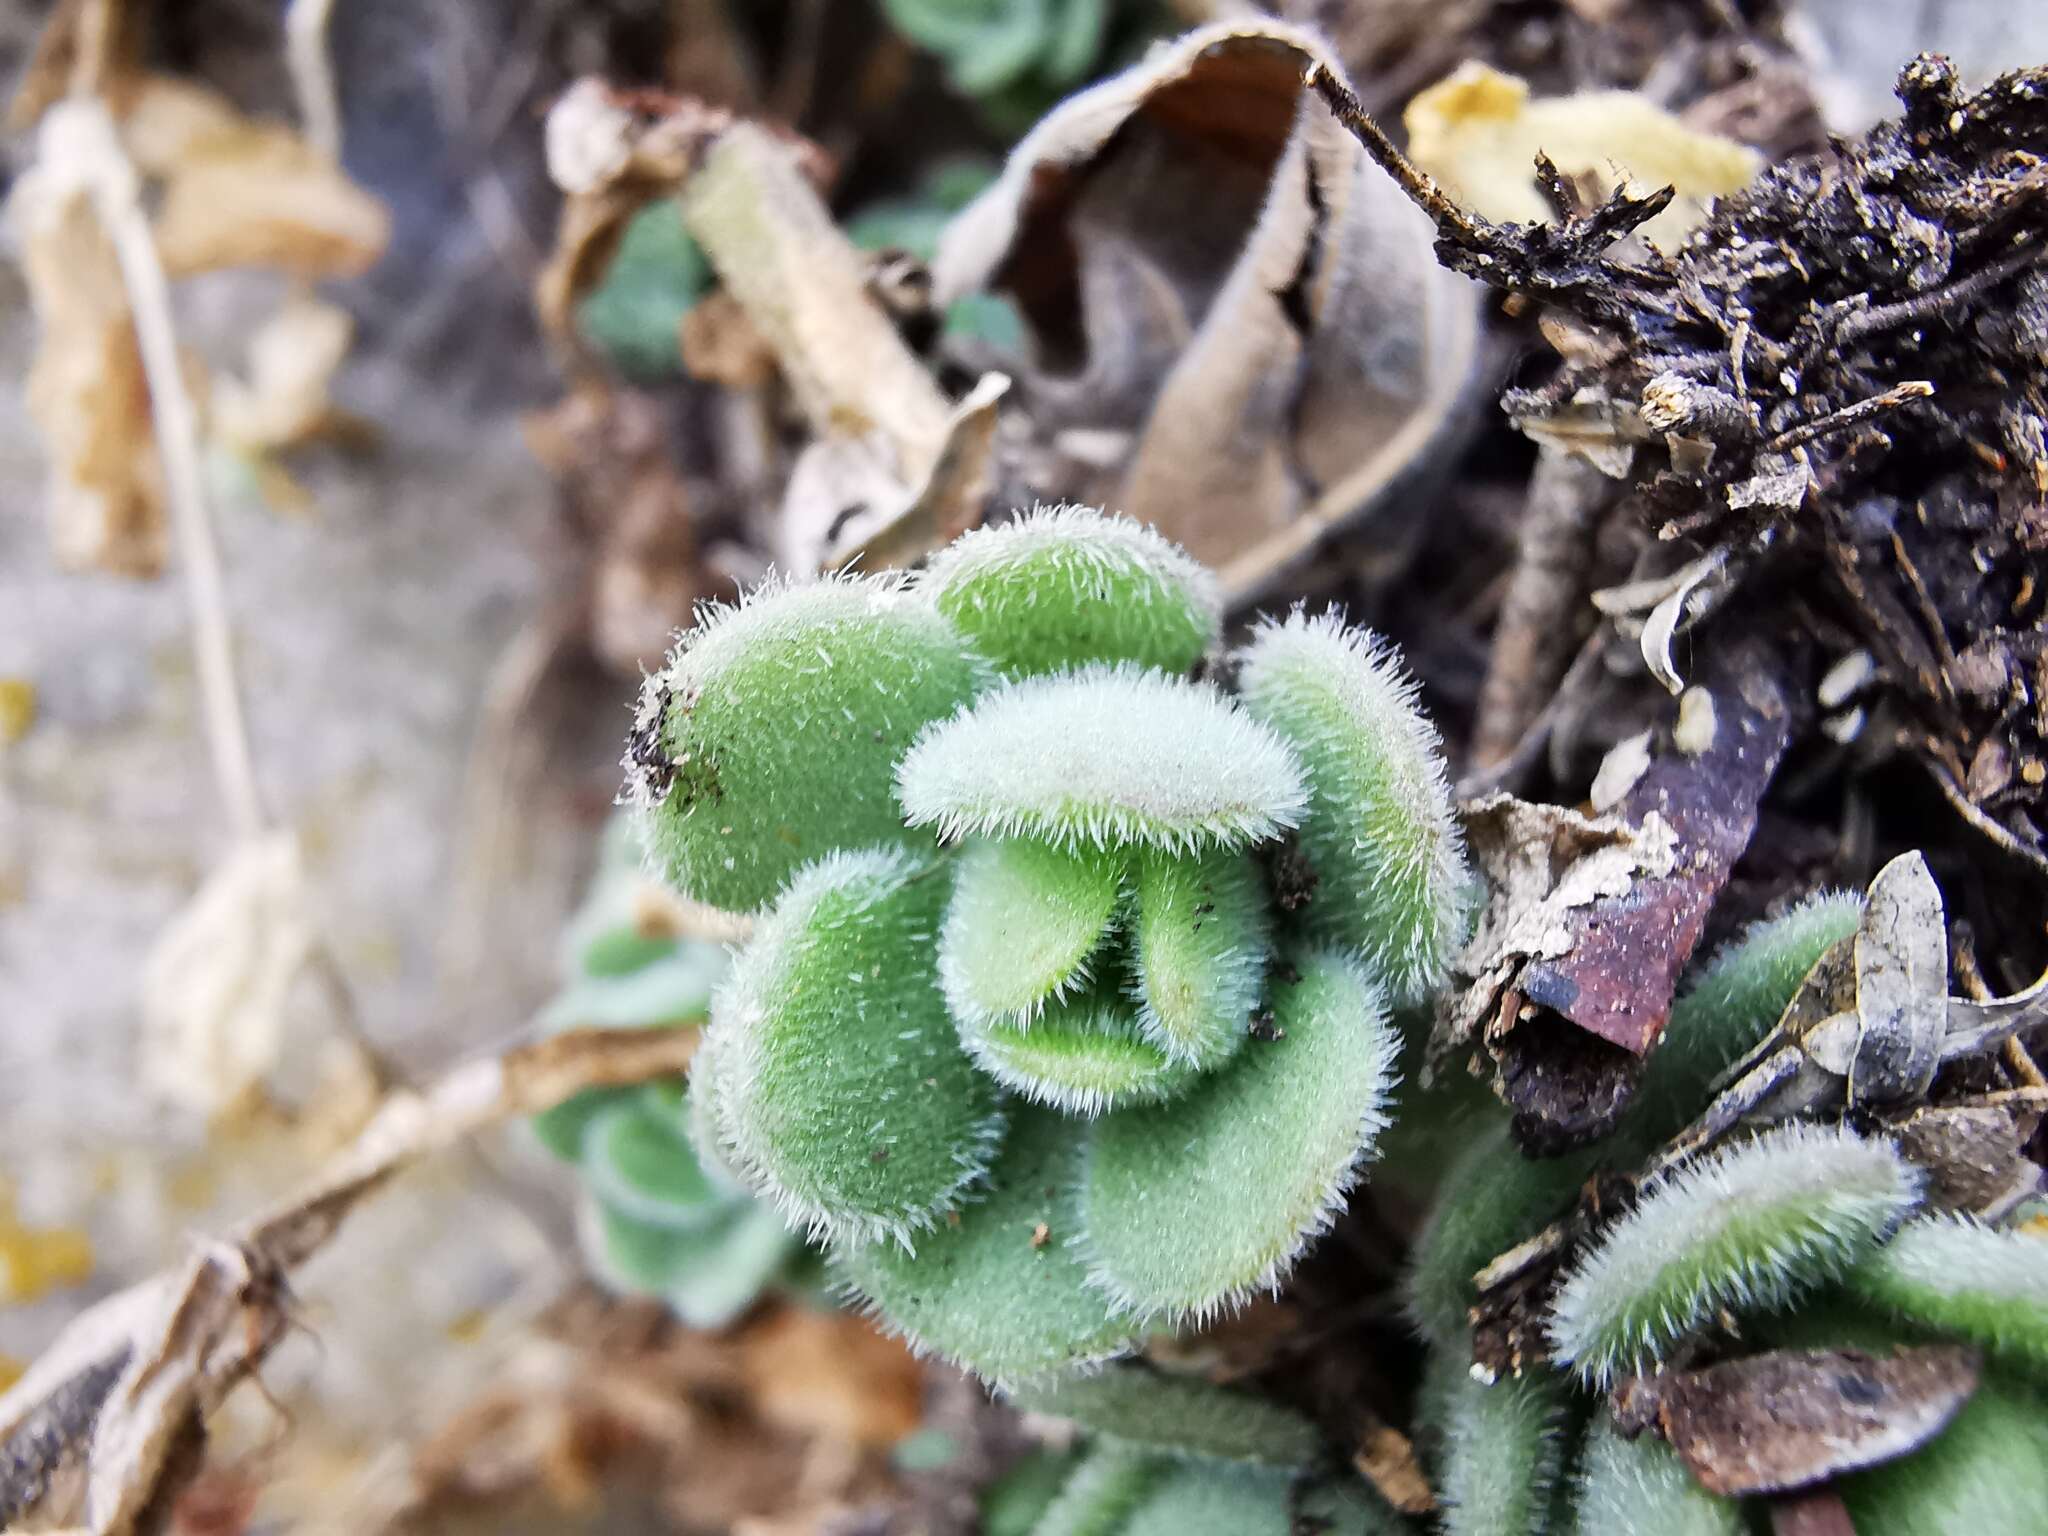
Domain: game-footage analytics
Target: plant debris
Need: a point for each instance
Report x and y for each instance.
(1787, 1419)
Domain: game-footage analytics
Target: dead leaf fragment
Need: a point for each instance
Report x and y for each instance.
(1541, 864)
(1792, 1418)
(804, 287)
(284, 401)
(86, 389)
(241, 193)
(1479, 131)
(216, 984)
(831, 1374)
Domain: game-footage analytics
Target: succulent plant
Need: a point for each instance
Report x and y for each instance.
(1639, 1484)
(993, 45)
(1174, 1456)
(1966, 1280)
(1498, 1447)
(652, 1219)
(1802, 1236)
(1020, 1030)
(1754, 1225)
(634, 314)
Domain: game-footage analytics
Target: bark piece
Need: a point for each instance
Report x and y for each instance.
(1617, 977)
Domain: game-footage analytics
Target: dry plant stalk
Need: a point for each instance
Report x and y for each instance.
(111, 1419)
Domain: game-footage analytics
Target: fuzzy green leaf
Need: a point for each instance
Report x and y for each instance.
(1199, 937)
(1021, 926)
(994, 1292)
(1498, 1447)
(1103, 1493)
(1975, 1282)
(1100, 758)
(1750, 1226)
(632, 1255)
(1389, 860)
(1058, 588)
(1193, 1498)
(1085, 1056)
(1015, 1502)
(562, 1129)
(1734, 1002)
(636, 310)
(752, 1250)
(1490, 1199)
(708, 1118)
(1641, 1485)
(771, 736)
(1178, 1416)
(1192, 1206)
(640, 1163)
(840, 1080)
(1987, 1472)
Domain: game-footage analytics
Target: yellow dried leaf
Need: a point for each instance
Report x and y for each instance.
(1478, 131)
(86, 389)
(17, 709)
(237, 192)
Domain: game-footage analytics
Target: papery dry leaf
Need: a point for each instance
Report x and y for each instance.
(241, 193)
(86, 387)
(804, 287)
(1543, 864)
(952, 499)
(1478, 131)
(216, 983)
(284, 402)
(1199, 252)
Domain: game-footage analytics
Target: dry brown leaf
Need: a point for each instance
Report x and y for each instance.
(1479, 131)
(1792, 1418)
(1203, 258)
(613, 152)
(241, 193)
(804, 286)
(86, 388)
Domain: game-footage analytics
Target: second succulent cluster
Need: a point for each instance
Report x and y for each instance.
(1027, 1029)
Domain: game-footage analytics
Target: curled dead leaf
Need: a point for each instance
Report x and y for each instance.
(216, 984)
(1204, 259)
(236, 192)
(86, 388)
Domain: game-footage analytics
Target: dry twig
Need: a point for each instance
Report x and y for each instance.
(121, 1398)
